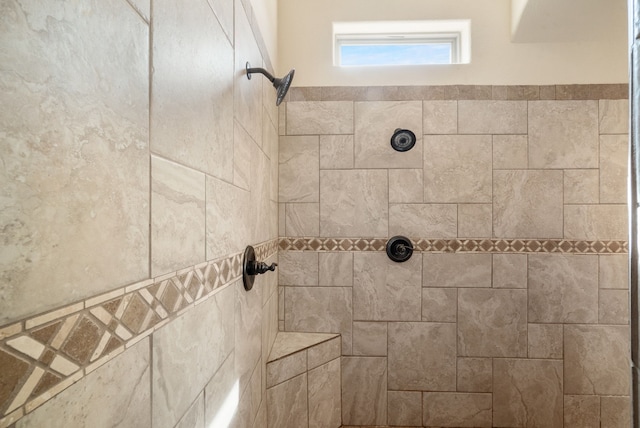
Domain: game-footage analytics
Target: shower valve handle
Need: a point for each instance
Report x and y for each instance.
(260, 268)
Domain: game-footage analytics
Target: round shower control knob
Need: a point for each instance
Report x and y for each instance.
(403, 140)
(399, 249)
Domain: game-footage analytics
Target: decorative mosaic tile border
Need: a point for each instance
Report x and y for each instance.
(459, 245)
(43, 355)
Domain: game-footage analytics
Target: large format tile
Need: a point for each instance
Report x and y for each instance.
(248, 320)
(450, 409)
(428, 220)
(364, 390)
(384, 290)
(439, 304)
(595, 222)
(440, 117)
(222, 395)
(614, 154)
(456, 270)
(492, 117)
(336, 269)
(192, 97)
(354, 203)
(336, 152)
(375, 123)
(581, 411)
(613, 271)
(299, 169)
(527, 393)
(457, 168)
(422, 356)
(527, 204)
(325, 408)
(563, 134)
(510, 152)
(370, 338)
(194, 417)
(224, 11)
(492, 323)
(614, 116)
(615, 412)
(319, 118)
(563, 288)
(75, 176)
(474, 374)
(298, 268)
(287, 404)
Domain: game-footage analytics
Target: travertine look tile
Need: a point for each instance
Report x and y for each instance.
(375, 123)
(370, 339)
(545, 340)
(581, 411)
(433, 220)
(320, 309)
(614, 271)
(422, 356)
(527, 204)
(613, 307)
(563, 288)
(406, 186)
(591, 222)
(615, 412)
(440, 117)
(405, 408)
(492, 117)
(286, 368)
(336, 152)
(297, 268)
(509, 271)
(563, 134)
(527, 393)
(75, 150)
(474, 374)
(336, 269)
(614, 153)
(510, 152)
(457, 168)
(325, 409)
(302, 219)
(319, 117)
(384, 290)
(287, 403)
(456, 409)
(354, 203)
(247, 322)
(596, 359)
(194, 417)
(474, 220)
(178, 209)
(324, 352)
(242, 145)
(439, 304)
(614, 116)
(456, 270)
(364, 390)
(299, 169)
(492, 323)
(581, 186)
(290, 342)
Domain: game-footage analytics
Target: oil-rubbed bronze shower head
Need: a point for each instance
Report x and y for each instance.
(281, 85)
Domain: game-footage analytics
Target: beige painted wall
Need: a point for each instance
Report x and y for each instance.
(266, 15)
(304, 42)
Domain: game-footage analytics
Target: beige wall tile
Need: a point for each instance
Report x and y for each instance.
(596, 359)
(615, 412)
(194, 417)
(581, 411)
(432, 220)
(545, 341)
(286, 368)
(492, 117)
(406, 186)
(287, 403)
(456, 270)
(323, 352)
(474, 375)
(299, 169)
(510, 152)
(354, 203)
(527, 204)
(336, 152)
(297, 268)
(613, 307)
(563, 134)
(422, 356)
(457, 168)
(509, 271)
(492, 323)
(302, 219)
(456, 409)
(319, 117)
(375, 123)
(439, 304)
(364, 390)
(592, 222)
(614, 154)
(581, 186)
(614, 116)
(527, 393)
(405, 408)
(242, 145)
(325, 409)
(248, 331)
(614, 271)
(563, 288)
(370, 338)
(336, 269)
(440, 117)
(474, 220)
(384, 290)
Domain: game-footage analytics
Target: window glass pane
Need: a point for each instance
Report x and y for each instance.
(395, 54)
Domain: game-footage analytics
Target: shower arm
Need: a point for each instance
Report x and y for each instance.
(251, 70)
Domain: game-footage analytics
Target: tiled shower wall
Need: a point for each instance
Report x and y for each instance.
(137, 163)
(512, 311)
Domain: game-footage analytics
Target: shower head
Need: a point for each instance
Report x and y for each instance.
(281, 85)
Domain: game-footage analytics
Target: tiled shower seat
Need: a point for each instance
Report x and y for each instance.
(303, 381)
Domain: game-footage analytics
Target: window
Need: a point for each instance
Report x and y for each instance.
(401, 43)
